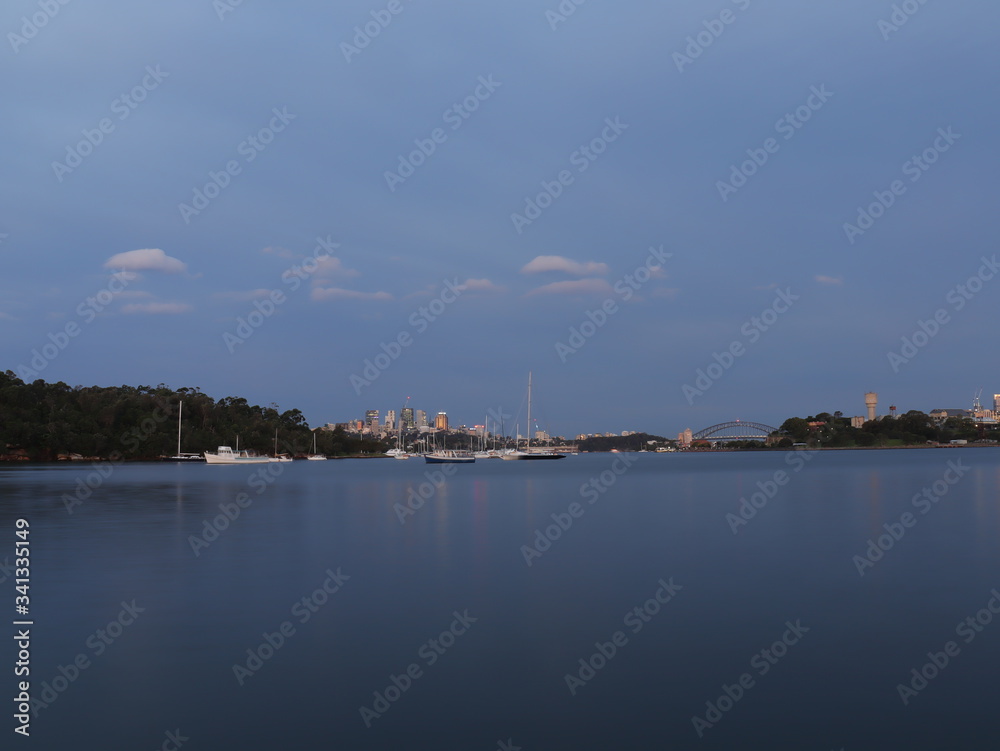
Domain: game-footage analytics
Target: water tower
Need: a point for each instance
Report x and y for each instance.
(871, 401)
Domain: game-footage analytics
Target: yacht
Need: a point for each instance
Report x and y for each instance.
(226, 455)
(528, 454)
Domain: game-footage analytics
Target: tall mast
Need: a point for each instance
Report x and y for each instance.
(179, 413)
(528, 446)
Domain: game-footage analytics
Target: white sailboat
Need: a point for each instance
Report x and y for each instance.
(278, 457)
(528, 454)
(314, 457)
(182, 456)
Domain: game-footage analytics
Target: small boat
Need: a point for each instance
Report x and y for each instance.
(182, 456)
(226, 455)
(397, 454)
(314, 457)
(280, 458)
(528, 454)
(449, 456)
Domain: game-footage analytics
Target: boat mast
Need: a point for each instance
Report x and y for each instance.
(180, 411)
(528, 445)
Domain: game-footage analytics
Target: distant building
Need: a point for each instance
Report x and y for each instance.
(871, 403)
(541, 435)
(420, 417)
(441, 421)
(941, 415)
(371, 418)
(407, 417)
(685, 438)
(996, 402)
(582, 437)
(857, 422)
(390, 419)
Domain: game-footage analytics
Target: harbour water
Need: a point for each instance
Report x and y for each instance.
(605, 601)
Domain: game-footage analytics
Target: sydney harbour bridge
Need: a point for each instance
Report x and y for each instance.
(737, 430)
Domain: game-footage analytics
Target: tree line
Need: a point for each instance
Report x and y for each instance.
(40, 421)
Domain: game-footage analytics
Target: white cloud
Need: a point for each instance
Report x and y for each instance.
(155, 308)
(331, 266)
(335, 293)
(482, 284)
(578, 287)
(277, 251)
(567, 265)
(147, 259)
(829, 279)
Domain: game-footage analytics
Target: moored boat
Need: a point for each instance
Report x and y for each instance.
(449, 456)
(226, 455)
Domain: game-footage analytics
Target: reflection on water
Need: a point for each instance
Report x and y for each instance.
(665, 516)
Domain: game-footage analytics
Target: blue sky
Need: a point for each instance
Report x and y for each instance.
(302, 132)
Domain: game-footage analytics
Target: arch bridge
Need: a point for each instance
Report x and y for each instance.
(737, 430)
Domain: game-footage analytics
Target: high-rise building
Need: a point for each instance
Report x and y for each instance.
(371, 418)
(407, 417)
(420, 417)
(871, 402)
(441, 421)
(390, 419)
(996, 402)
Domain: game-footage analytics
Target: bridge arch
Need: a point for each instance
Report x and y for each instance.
(735, 430)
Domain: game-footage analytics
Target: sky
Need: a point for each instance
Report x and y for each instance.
(672, 214)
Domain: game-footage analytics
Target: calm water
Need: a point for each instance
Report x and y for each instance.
(830, 682)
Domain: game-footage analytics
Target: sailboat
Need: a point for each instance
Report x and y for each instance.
(314, 457)
(449, 456)
(528, 454)
(182, 456)
(278, 457)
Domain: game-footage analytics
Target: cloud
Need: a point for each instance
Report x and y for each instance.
(156, 308)
(482, 284)
(829, 279)
(335, 293)
(331, 266)
(147, 259)
(578, 287)
(567, 265)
